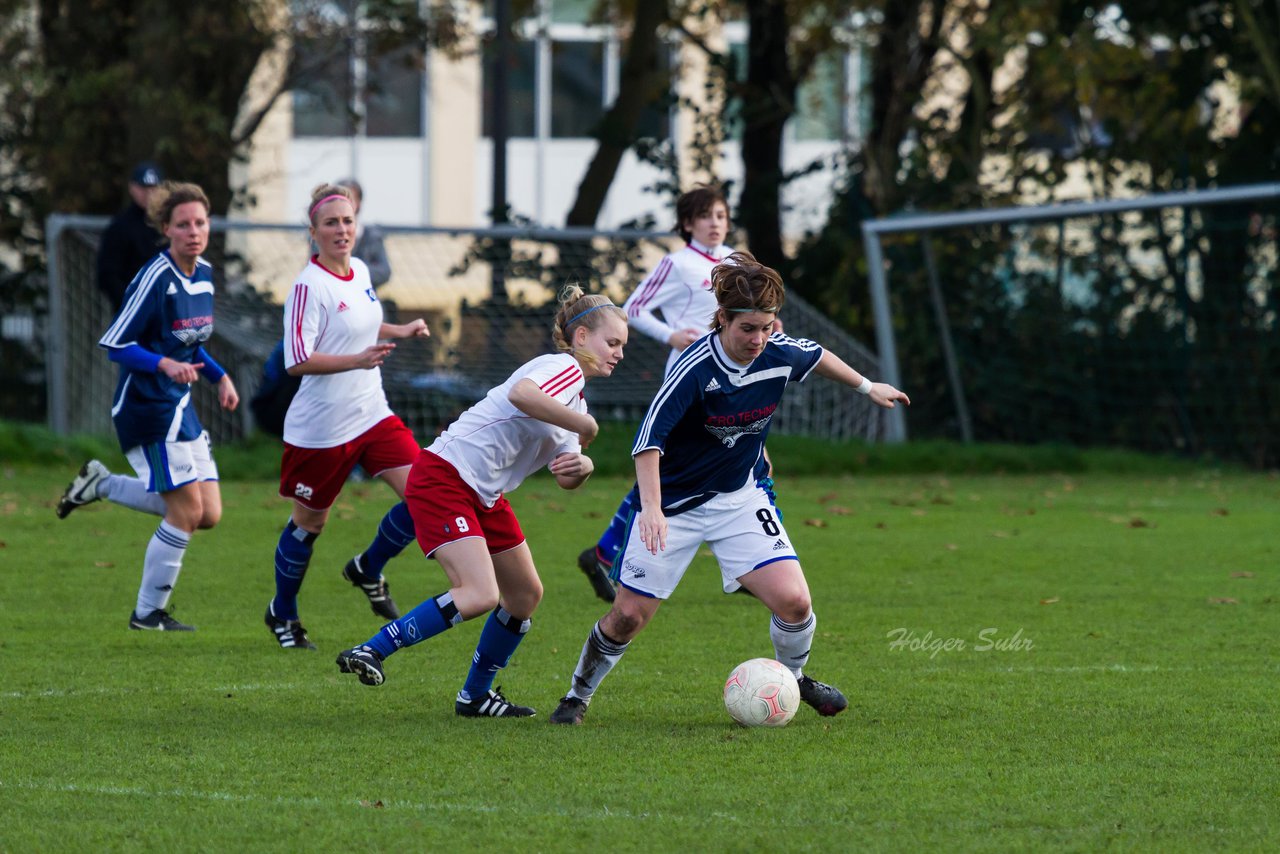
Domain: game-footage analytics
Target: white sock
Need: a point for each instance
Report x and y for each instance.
(791, 641)
(132, 493)
(161, 567)
(599, 655)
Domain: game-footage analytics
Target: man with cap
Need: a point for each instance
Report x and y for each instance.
(129, 242)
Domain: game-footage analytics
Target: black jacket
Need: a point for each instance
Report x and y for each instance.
(126, 245)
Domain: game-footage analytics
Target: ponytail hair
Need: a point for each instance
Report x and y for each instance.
(578, 308)
(168, 196)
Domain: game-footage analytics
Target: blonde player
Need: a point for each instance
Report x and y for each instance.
(333, 339)
(537, 418)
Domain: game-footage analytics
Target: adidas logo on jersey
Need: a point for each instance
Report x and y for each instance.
(713, 385)
(342, 306)
(173, 289)
(780, 544)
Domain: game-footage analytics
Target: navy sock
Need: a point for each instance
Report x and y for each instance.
(293, 553)
(428, 619)
(501, 635)
(395, 531)
(613, 538)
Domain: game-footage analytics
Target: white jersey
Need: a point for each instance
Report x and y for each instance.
(680, 287)
(495, 446)
(337, 316)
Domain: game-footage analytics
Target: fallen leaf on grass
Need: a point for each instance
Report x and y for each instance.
(816, 523)
(838, 510)
(881, 525)
(830, 496)
(592, 514)
(377, 805)
(1004, 535)
(103, 563)
(1218, 511)
(1139, 522)
(1052, 600)
(952, 547)
(1222, 600)
(1233, 575)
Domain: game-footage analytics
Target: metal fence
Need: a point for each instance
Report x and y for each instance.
(487, 294)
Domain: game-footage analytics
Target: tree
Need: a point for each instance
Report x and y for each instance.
(89, 87)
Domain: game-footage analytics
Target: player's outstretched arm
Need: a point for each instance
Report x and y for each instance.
(536, 403)
(833, 367)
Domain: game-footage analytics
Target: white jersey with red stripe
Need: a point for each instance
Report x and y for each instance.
(679, 287)
(495, 446)
(339, 316)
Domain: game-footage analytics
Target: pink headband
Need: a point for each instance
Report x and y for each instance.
(328, 198)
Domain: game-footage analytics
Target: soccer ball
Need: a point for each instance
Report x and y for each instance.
(761, 692)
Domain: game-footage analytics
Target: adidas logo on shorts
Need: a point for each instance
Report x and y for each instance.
(713, 385)
(780, 544)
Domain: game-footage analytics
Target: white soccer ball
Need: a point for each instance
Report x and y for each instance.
(761, 692)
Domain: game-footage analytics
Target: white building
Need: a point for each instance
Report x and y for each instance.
(421, 149)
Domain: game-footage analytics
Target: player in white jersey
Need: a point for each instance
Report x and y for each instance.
(696, 455)
(675, 305)
(537, 418)
(158, 338)
(334, 339)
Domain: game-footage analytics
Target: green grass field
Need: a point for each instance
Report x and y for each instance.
(1083, 661)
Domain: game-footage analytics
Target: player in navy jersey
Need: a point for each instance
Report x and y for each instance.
(334, 338)
(537, 418)
(157, 339)
(674, 305)
(697, 457)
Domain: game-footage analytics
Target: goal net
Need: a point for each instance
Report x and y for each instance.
(1148, 323)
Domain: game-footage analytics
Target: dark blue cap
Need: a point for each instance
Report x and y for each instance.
(146, 174)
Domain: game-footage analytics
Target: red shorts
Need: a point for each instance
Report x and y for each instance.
(446, 509)
(313, 477)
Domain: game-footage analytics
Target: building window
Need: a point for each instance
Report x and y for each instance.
(563, 75)
(322, 100)
(330, 100)
(577, 87)
(521, 86)
(820, 110)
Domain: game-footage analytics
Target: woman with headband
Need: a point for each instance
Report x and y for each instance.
(335, 339)
(696, 456)
(537, 418)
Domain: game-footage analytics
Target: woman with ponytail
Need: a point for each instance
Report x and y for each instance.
(537, 418)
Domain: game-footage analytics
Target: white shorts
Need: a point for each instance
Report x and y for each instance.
(742, 528)
(165, 466)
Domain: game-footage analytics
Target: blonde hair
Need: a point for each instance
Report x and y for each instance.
(578, 308)
(168, 196)
(742, 284)
(322, 193)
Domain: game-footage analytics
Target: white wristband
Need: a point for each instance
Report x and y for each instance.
(865, 388)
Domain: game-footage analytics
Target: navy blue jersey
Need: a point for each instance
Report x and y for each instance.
(711, 416)
(170, 315)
